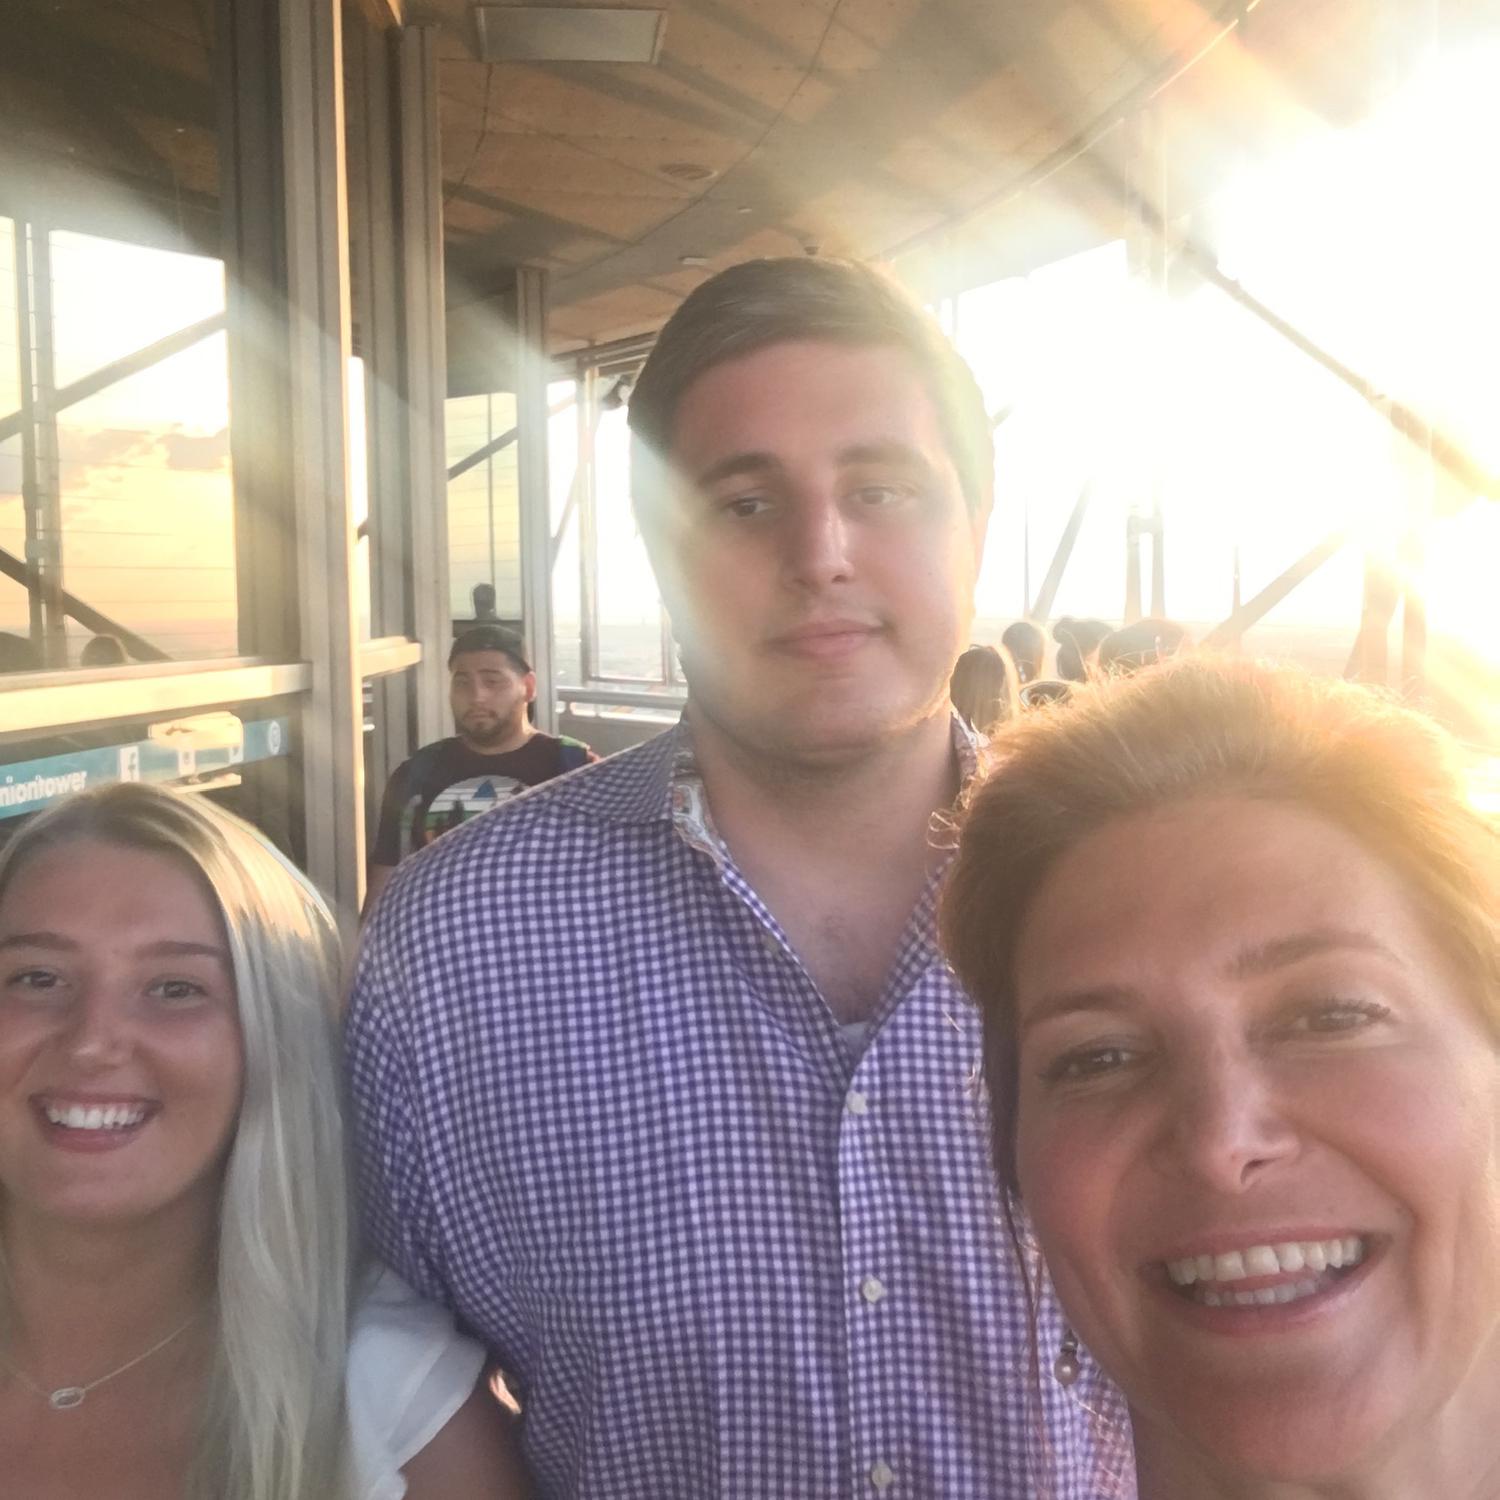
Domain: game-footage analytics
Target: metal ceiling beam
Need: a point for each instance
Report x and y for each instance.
(1446, 453)
(1256, 608)
(497, 445)
(1041, 609)
(120, 369)
(86, 615)
(1449, 455)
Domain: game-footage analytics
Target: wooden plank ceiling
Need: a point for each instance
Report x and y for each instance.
(766, 127)
(863, 127)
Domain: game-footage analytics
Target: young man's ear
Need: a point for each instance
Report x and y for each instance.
(529, 680)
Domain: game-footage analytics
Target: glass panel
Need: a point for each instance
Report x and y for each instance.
(1051, 353)
(484, 527)
(1255, 452)
(16, 651)
(146, 490)
(111, 298)
(17, 654)
(10, 353)
(1463, 662)
(114, 217)
(1267, 457)
(629, 607)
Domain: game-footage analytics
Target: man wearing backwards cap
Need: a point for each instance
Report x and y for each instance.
(497, 753)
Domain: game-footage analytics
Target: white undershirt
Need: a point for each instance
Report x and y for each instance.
(409, 1371)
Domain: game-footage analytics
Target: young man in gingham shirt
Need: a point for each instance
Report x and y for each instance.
(659, 1081)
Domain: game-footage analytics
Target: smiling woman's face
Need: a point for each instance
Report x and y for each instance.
(120, 1053)
(1257, 1135)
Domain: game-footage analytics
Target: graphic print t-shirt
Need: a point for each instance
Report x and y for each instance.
(445, 784)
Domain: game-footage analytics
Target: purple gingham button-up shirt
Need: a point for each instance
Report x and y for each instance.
(604, 1114)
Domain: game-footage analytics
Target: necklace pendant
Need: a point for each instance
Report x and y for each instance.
(66, 1397)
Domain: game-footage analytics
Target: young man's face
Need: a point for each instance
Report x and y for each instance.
(488, 694)
(817, 557)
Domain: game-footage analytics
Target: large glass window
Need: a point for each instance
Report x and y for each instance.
(629, 618)
(143, 465)
(16, 649)
(484, 517)
(116, 498)
(1131, 403)
(1116, 412)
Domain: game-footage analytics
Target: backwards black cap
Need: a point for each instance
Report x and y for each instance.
(492, 638)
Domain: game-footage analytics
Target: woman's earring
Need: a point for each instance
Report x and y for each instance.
(1065, 1368)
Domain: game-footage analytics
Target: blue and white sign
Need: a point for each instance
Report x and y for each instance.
(29, 785)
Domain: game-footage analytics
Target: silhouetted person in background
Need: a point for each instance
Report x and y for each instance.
(17, 654)
(1077, 641)
(103, 651)
(484, 602)
(983, 688)
(1142, 644)
(1028, 649)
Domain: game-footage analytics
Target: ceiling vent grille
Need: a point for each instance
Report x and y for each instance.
(558, 33)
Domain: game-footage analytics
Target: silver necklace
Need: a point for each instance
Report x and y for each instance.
(66, 1397)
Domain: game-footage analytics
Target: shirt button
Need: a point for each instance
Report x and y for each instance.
(769, 942)
(872, 1289)
(882, 1475)
(856, 1102)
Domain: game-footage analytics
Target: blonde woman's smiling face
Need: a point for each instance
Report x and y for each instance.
(121, 1062)
(1257, 1135)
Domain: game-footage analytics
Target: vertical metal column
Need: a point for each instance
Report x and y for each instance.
(375, 253)
(253, 207)
(41, 496)
(489, 488)
(29, 501)
(585, 485)
(535, 500)
(1147, 252)
(1132, 568)
(253, 240)
(426, 375)
(317, 248)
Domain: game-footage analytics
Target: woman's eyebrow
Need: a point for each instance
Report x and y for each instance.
(1104, 997)
(179, 948)
(1278, 953)
(163, 948)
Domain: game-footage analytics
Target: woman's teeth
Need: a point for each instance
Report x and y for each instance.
(96, 1117)
(1211, 1276)
(1267, 1296)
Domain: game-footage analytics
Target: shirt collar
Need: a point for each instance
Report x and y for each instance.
(686, 800)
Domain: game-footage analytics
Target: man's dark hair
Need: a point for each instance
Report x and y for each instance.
(491, 638)
(764, 302)
(1142, 644)
(1075, 640)
(1027, 646)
